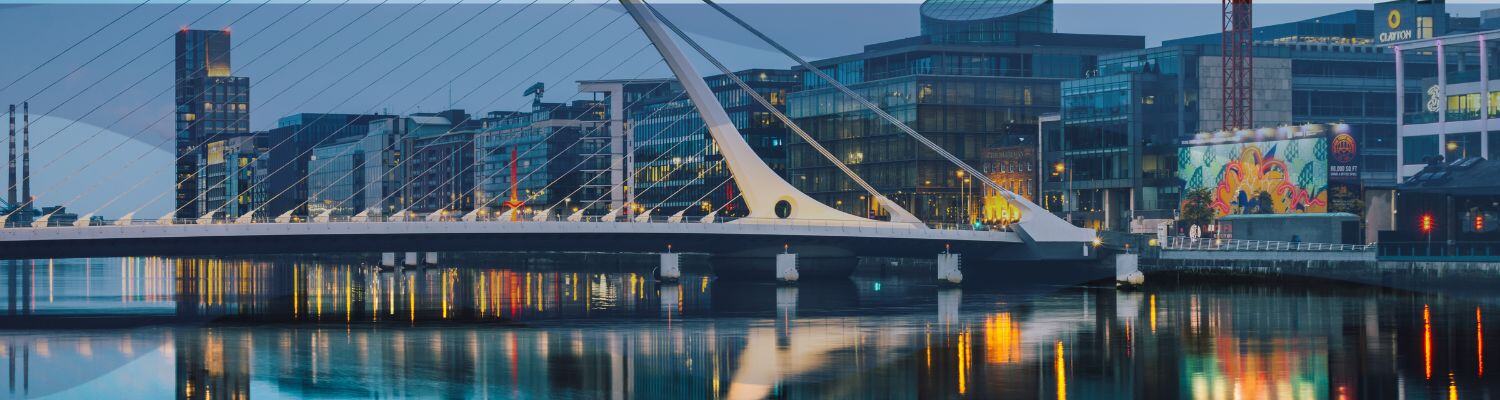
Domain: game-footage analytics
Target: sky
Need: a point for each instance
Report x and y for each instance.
(102, 136)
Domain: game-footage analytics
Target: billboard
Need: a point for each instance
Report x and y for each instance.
(1282, 171)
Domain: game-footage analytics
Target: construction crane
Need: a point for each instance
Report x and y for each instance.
(1239, 66)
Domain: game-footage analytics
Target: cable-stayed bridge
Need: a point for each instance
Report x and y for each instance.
(781, 219)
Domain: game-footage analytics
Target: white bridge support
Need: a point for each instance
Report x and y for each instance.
(411, 258)
(671, 268)
(387, 259)
(431, 258)
(762, 188)
(950, 269)
(786, 268)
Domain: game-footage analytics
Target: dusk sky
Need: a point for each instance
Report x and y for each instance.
(400, 58)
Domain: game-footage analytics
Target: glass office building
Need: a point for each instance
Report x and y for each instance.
(966, 90)
(210, 106)
(677, 168)
(292, 144)
(231, 169)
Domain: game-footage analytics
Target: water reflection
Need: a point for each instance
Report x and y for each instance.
(306, 327)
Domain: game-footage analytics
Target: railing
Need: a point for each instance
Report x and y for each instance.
(524, 218)
(1440, 250)
(1201, 244)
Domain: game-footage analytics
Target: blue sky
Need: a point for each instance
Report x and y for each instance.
(401, 58)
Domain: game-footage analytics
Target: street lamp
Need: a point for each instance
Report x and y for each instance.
(1058, 170)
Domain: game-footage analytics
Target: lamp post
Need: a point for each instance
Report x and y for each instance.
(1058, 170)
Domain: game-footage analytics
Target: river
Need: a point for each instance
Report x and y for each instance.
(495, 327)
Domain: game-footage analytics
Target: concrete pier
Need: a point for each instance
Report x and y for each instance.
(670, 269)
(387, 259)
(431, 258)
(411, 259)
(950, 269)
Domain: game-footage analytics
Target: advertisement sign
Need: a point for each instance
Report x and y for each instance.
(1344, 188)
(1282, 171)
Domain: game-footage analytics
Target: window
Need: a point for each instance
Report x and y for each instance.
(1415, 149)
(1461, 145)
(1463, 107)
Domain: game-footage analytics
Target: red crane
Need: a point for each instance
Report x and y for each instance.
(1239, 65)
(515, 202)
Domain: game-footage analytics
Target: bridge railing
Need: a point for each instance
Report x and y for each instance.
(1202, 244)
(655, 219)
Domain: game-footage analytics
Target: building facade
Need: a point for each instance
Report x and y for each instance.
(439, 167)
(231, 170)
(677, 168)
(558, 154)
(1450, 112)
(291, 147)
(210, 105)
(1117, 155)
(977, 79)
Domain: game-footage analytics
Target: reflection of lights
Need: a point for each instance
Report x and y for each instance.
(1427, 341)
(1153, 313)
(1002, 339)
(964, 348)
(1452, 387)
(1060, 365)
(1479, 338)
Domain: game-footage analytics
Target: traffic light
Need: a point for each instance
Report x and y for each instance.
(1427, 223)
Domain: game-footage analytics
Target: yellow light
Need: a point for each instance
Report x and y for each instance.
(1098, 242)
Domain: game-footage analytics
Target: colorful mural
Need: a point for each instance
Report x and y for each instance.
(1267, 177)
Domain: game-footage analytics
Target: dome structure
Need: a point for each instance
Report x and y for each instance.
(984, 21)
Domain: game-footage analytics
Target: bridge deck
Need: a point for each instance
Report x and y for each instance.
(714, 238)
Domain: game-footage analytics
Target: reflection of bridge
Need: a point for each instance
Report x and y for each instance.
(780, 216)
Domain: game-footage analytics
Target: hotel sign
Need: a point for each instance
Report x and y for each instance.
(1403, 20)
(1397, 33)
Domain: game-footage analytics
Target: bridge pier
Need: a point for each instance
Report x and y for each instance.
(950, 269)
(431, 258)
(387, 259)
(670, 269)
(411, 258)
(786, 268)
(671, 298)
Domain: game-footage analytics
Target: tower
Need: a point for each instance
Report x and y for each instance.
(10, 197)
(26, 199)
(1238, 65)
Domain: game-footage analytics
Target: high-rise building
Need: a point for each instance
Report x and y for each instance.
(977, 79)
(211, 106)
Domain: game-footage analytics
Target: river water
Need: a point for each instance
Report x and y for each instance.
(303, 327)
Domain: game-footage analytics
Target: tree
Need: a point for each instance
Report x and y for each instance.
(1196, 210)
(1265, 204)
